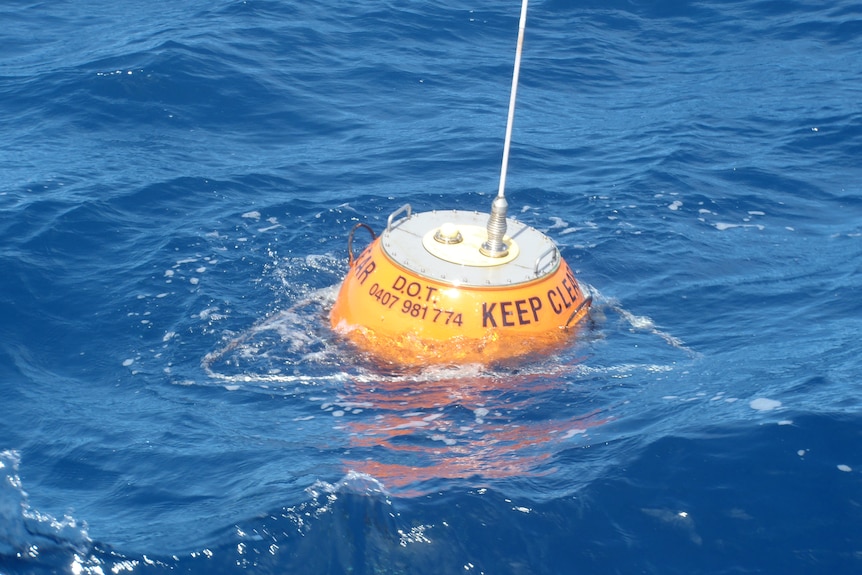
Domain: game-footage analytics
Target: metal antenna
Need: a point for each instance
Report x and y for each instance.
(495, 247)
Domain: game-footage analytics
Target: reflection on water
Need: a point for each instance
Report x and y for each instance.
(473, 425)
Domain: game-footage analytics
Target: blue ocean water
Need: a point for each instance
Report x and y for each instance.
(177, 183)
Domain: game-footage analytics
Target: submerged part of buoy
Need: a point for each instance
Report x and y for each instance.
(429, 291)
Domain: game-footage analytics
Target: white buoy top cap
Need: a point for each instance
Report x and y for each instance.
(445, 246)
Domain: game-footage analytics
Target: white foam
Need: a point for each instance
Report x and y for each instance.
(644, 323)
(722, 226)
(205, 314)
(764, 404)
(409, 425)
(443, 438)
(480, 413)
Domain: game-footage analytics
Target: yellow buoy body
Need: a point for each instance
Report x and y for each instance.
(423, 293)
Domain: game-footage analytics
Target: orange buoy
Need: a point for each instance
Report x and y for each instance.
(426, 292)
(444, 287)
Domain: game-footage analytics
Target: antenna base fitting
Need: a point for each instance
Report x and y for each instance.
(495, 247)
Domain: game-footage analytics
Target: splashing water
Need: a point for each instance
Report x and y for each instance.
(26, 533)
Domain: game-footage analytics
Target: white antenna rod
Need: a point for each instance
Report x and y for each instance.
(508, 142)
(495, 247)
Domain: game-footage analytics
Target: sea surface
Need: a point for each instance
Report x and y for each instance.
(177, 184)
